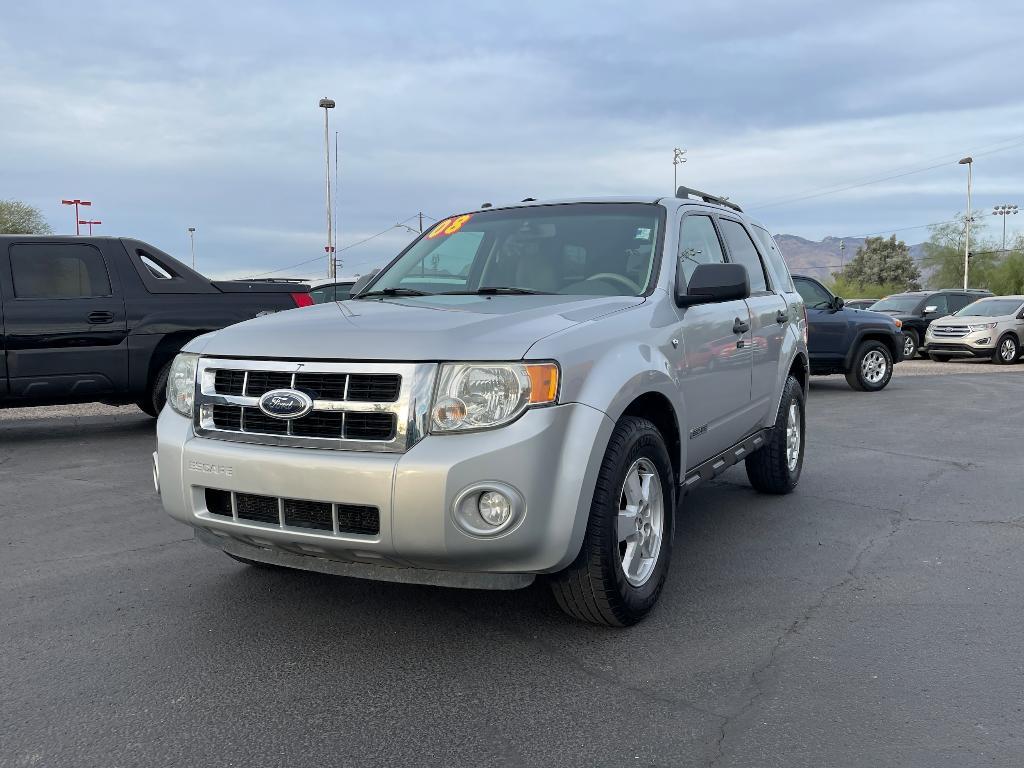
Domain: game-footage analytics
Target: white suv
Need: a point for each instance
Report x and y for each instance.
(991, 327)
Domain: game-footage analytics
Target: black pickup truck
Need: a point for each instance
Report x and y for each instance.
(99, 319)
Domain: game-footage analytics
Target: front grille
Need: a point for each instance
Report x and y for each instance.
(356, 406)
(359, 519)
(949, 331)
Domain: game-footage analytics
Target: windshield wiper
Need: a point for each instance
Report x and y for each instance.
(394, 292)
(494, 290)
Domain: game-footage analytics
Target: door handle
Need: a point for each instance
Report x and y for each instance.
(101, 317)
(739, 326)
(781, 317)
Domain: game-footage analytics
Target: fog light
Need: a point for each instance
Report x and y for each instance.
(984, 341)
(449, 412)
(495, 508)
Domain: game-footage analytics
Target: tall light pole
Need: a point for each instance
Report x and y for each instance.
(76, 202)
(192, 241)
(842, 255)
(678, 158)
(1004, 210)
(90, 223)
(969, 162)
(328, 104)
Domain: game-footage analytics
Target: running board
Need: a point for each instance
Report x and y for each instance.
(715, 466)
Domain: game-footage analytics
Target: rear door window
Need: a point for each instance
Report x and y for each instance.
(58, 271)
(743, 251)
(773, 256)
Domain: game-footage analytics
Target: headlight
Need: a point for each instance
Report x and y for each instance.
(484, 395)
(982, 326)
(181, 383)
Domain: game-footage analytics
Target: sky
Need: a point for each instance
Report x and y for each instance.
(204, 114)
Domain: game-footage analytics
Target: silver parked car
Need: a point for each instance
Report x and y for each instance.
(524, 391)
(990, 327)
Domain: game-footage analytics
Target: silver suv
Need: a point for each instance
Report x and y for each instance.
(991, 327)
(524, 391)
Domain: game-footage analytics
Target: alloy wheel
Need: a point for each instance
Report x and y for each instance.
(640, 522)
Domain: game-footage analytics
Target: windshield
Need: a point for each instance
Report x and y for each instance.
(598, 249)
(905, 304)
(991, 308)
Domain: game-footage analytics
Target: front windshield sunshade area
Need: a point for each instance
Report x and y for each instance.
(598, 249)
(896, 304)
(991, 308)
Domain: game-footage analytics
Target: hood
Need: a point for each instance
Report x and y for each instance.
(959, 320)
(420, 328)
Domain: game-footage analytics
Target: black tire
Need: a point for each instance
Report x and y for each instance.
(1010, 341)
(939, 358)
(253, 563)
(858, 378)
(768, 467)
(911, 345)
(595, 588)
(156, 397)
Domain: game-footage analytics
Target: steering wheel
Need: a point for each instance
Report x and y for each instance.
(613, 278)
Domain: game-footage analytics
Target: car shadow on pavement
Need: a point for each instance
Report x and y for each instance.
(64, 428)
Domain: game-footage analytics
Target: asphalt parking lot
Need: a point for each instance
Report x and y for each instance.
(873, 618)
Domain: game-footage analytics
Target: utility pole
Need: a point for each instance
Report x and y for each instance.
(76, 202)
(678, 158)
(1004, 210)
(421, 222)
(90, 223)
(969, 162)
(334, 239)
(192, 240)
(328, 104)
(842, 255)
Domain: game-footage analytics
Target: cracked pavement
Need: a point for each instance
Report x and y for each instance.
(872, 618)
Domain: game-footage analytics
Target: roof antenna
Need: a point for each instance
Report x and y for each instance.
(486, 205)
(528, 200)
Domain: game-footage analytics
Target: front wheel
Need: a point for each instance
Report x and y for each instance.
(939, 358)
(909, 345)
(871, 368)
(1007, 351)
(156, 396)
(775, 467)
(621, 568)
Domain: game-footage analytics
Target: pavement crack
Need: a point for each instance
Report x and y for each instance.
(1015, 523)
(964, 465)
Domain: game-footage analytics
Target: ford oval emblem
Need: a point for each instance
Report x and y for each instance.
(286, 403)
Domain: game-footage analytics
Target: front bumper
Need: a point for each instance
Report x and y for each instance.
(550, 456)
(974, 344)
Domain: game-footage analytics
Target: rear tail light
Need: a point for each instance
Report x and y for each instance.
(302, 299)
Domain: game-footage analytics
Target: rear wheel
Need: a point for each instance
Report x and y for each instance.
(775, 468)
(939, 358)
(621, 568)
(1007, 350)
(871, 368)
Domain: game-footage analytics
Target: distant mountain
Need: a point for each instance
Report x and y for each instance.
(821, 258)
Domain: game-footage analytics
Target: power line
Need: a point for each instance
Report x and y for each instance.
(835, 189)
(347, 247)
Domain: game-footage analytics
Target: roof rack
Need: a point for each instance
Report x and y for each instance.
(685, 192)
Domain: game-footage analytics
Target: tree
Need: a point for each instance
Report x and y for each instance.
(18, 218)
(1008, 274)
(944, 255)
(881, 262)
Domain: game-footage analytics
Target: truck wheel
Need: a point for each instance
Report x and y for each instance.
(154, 400)
(775, 468)
(621, 568)
(1007, 350)
(910, 345)
(939, 358)
(871, 368)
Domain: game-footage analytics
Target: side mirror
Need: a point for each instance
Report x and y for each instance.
(363, 281)
(838, 303)
(930, 309)
(713, 283)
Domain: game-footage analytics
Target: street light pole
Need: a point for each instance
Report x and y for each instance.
(76, 202)
(678, 157)
(1004, 210)
(90, 223)
(327, 104)
(969, 162)
(192, 240)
